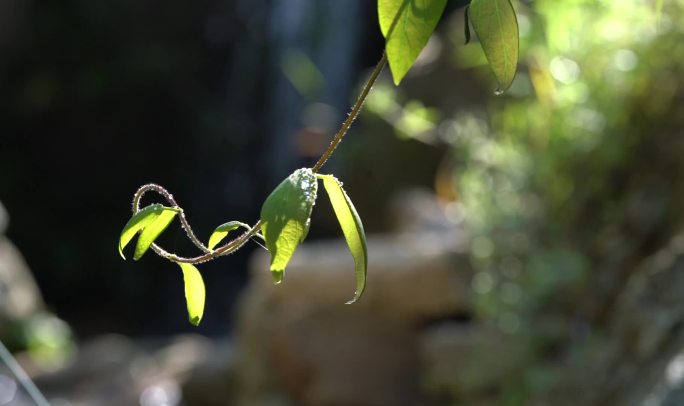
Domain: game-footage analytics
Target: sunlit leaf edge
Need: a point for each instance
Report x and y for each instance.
(352, 228)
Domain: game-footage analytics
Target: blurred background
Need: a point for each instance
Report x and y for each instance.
(525, 249)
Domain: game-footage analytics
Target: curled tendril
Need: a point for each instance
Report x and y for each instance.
(208, 254)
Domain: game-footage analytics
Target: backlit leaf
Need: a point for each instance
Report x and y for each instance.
(152, 230)
(195, 293)
(285, 218)
(351, 228)
(140, 220)
(222, 231)
(407, 26)
(496, 26)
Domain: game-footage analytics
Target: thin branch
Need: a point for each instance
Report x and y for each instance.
(352, 115)
(208, 254)
(181, 214)
(226, 249)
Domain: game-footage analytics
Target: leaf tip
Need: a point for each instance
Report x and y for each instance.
(195, 321)
(397, 77)
(277, 275)
(354, 300)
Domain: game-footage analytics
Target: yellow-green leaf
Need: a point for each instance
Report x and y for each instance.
(195, 293)
(407, 26)
(222, 231)
(152, 230)
(140, 220)
(285, 218)
(496, 26)
(351, 228)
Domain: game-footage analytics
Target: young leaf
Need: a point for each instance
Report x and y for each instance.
(222, 231)
(351, 228)
(285, 218)
(140, 220)
(194, 292)
(407, 26)
(496, 26)
(152, 230)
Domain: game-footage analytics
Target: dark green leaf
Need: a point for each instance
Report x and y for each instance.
(351, 228)
(152, 230)
(285, 217)
(222, 231)
(496, 26)
(194, 292)
(407, 26)
(466, 26)
(139, 221)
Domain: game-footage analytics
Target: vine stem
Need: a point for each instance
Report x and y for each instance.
(208, 254)
(238, 242)
(181, 214)
(352, 114)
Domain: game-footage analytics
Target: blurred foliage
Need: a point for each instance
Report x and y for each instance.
(568, 180)
(542, 178)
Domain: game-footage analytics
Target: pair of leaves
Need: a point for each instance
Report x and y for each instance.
(408, 24)
(285, 218)
(150, 222)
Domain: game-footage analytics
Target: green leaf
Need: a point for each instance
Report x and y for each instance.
(222, 231)
(407, 26)
(496, 26)
(351, 228)
(285, 218)
(139, 221)
(152, 230)
(195, 293)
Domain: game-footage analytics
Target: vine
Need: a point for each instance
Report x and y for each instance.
(285, 215)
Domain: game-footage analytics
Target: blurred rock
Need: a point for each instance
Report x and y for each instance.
(4, 219)
(342, 358)
(212, 381)
(19, 295)
(20, 298)
(418, 210)
(115, 370)
(411, 278)
(300, 344)
(469, 361)
(102, 373)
